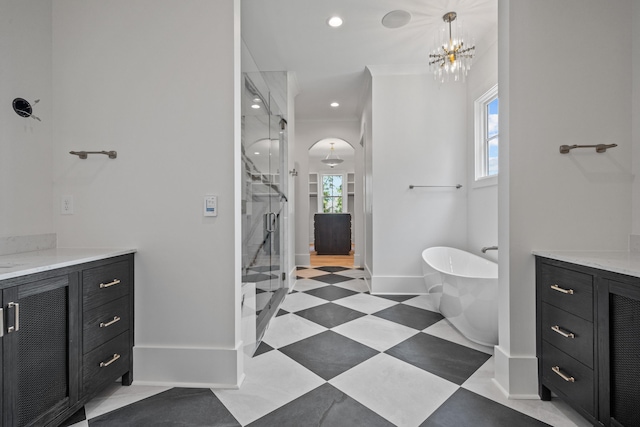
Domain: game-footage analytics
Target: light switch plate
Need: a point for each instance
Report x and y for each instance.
(210, 205)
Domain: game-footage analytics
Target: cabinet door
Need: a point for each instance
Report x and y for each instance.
(40, 354)
(620, 387)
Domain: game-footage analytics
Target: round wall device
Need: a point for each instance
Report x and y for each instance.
(22, 107)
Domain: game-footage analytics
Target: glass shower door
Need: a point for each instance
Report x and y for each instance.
(264, 201)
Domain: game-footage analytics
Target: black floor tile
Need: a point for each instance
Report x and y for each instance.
(175, 407)
(325, 406)
(263, 347)
(282, 312)
(412, 317)
(446, 359)
(467, 409)
(330, 315)
(398, 298)
(331, 278)
(328, 354)
(330, 269)
(301, 268)
(331, 293)
(80, 415)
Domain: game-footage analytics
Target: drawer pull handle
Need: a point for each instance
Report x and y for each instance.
(106, 285)
(115, 357)
(556, 369)
(564, 291)
(565, 334)
(109, 323)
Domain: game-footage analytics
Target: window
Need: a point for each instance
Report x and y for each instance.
(332, 193)
(486, 125)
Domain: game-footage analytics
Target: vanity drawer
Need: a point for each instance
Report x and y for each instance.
(106, 363)
(579, 342)
(104, 284)
(568, 290)
(105, 322)
(581, 390)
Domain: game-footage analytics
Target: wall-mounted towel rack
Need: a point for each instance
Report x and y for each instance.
(83, 154)
(411, 187)
(600, 148)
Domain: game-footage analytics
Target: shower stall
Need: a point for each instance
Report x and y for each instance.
(264, 200)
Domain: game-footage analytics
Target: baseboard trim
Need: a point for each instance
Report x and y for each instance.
(398, 285)
(188, 367)
(516, 376)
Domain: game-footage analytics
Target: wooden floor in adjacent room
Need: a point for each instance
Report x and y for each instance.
(331, 260)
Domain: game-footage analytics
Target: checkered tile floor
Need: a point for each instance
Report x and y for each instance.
(337, 356)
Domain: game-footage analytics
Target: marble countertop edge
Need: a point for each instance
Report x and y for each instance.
(623, 262)
(25, 263)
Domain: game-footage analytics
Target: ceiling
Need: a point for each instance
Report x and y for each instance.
(329, 63)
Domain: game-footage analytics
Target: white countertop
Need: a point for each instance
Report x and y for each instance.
(622, 262)
(22, 264)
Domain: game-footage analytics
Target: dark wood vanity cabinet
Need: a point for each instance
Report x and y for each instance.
(66, 334)
(588, 340)
(332, 233)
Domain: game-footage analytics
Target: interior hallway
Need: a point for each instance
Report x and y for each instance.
(337, 356)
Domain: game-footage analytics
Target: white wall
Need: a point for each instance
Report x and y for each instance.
(550, 200)
(482, 201)
(418, 137)
(158, 81)
(307, 133)
(25, 144)
(635, 114)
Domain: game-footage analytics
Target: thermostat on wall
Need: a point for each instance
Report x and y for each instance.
(210, 205)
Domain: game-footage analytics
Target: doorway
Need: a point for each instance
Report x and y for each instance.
(332, 203)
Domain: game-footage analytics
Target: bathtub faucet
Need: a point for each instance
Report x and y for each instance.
(489, 248)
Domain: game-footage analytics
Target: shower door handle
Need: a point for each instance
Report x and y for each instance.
(271, 221)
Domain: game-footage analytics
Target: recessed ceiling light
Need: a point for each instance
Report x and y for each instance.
(396, 19)
(255, 106)
(334, 21)
(257, 153)
(256, 99)
(335, 104)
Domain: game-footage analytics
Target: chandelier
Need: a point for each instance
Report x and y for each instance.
(451, 58)
(332, 158)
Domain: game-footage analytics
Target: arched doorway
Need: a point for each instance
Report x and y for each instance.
(331, 202)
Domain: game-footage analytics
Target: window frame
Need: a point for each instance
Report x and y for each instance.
(481, 141)
(321, 176)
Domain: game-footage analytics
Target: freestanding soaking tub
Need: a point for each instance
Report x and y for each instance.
(469, 292)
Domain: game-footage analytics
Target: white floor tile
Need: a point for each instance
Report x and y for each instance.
(356, 285)
(401, 393)
(445, 330)
(300, 301)
(272, 380)
(84, 423)
(556, 413)
(310, 272)
(375, 332)
(289, 328)
(303, 285)
(365, 303)
(117, 396)
(426, 302)
(356, 274)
